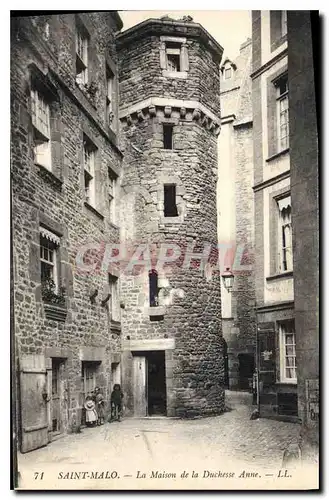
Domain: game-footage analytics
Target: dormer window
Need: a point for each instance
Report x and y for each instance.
(227, 73)
(228, 69)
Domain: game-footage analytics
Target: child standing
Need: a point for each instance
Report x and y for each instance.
(116, 402)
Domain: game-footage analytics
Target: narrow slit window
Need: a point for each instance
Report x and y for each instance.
(154, 290)
(167, 136)
(170, 207)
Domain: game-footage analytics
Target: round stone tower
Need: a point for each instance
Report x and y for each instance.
(172, 352)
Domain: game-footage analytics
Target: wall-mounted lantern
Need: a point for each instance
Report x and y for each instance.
(93, 296)
(228, 279)
(105, 301)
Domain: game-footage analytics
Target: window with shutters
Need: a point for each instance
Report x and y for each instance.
(285, 262)
(40, 111)
(174, 56)
(282, 112)
(288, 351)
(89, 158)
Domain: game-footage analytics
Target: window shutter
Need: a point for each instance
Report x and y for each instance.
(271, 118)
(184, 58)
(163, 62)
(266, 353)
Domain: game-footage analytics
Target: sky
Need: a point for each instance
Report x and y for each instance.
(230, 28)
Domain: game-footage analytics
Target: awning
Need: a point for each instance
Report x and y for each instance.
(49, 235)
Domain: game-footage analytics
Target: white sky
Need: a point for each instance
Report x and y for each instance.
(229, 27)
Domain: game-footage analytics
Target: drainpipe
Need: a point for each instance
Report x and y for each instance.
(257, 361)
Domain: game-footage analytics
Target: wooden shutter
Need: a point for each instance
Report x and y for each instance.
(33, 384)
(140, 386)
(266, 353)
(184, 58)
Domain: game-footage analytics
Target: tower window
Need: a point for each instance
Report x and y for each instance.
(173, 53)
(170, 207)
(167, 136)
(154, 290)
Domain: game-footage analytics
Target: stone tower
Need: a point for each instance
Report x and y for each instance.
(172, 351)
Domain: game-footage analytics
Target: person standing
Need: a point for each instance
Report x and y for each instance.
(100, 405)
(116, 402)
(91, 414)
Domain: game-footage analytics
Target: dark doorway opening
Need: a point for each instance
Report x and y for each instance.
(156, 383)
(246, 371)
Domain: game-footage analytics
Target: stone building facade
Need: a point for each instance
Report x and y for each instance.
(65, 159)
(304, 122)
(273, 236)
(236, 215)
(172, 359)
(90, 173)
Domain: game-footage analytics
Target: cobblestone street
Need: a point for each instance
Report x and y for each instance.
(227, 443)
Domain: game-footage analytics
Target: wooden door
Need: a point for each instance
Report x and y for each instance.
(34, 399)
(140, 386)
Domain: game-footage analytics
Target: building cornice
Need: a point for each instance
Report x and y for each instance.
(186, 29)
(172, 108)
(271, 181)
(276, 306)
(227, 119)
(268, 64)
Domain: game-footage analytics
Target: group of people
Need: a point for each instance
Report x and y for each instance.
(96, 408)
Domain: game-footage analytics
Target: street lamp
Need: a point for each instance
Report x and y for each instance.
(228, 279)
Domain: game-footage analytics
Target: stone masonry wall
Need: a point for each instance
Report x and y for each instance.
(192, 309)
(192, 316)
(141, 75)
(57, 199)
